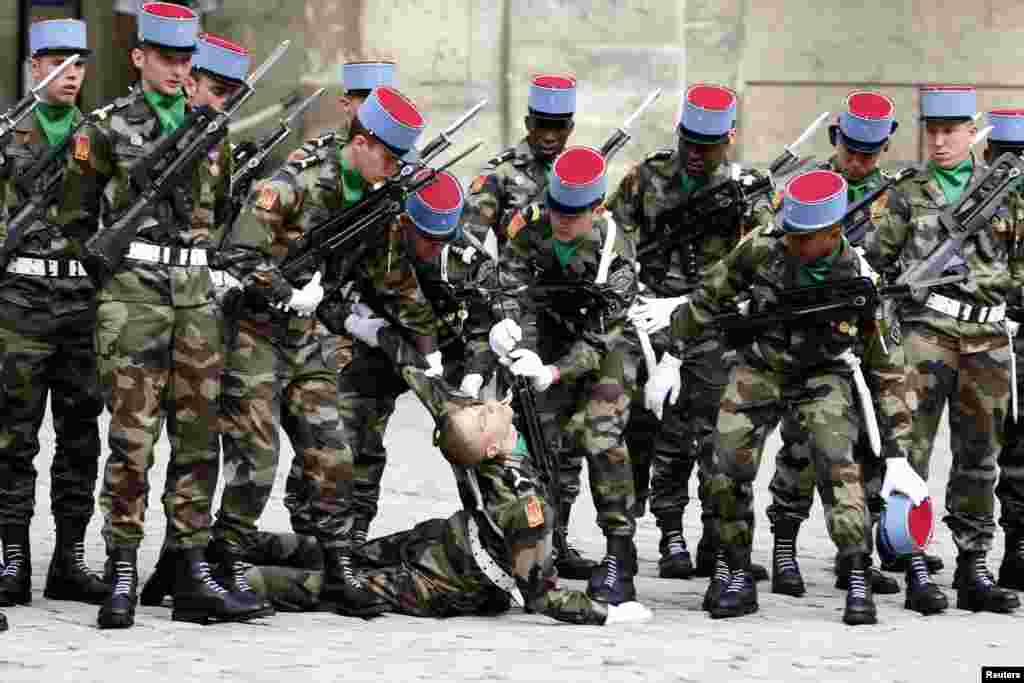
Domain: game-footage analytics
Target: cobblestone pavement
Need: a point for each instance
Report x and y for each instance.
(788, 640)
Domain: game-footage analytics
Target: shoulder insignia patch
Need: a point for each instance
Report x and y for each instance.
(776, 201)
(81, 147)
(534, 512)
(266, 198)
(478, 183)
(515, 225)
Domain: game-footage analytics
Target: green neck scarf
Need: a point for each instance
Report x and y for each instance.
(565, 251)
(814, 273)
(55, 120)
(856, 190)
(547, 166)
(520, 448)
(691, 184)
(352, 183)
(952, 181)
(170, 109)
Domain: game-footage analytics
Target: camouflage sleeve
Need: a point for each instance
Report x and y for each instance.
(884, 245)
(626, 203)
(249, 253)
(1015, 247)
(886, 375)
(397, 292)
(483, 205)
(516, 271)
(90, 167)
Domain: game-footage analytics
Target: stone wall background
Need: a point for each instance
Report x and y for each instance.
(788, 60)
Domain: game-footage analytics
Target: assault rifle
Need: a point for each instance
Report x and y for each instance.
(48, 172)
(786, 162)
(377, 206)
(968, 215)
(10, 119)
(167, 168)
(817, 304)
(621, 135)
(248, 157)
(857, 221)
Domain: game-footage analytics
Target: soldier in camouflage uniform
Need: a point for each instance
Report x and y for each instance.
(584, 393)
(280, 357)
(860, 137)
(519, 176)
(1008, 136)
(663, 182)
(47, 313)
(792, 360)
(956, 349)
(158, 336)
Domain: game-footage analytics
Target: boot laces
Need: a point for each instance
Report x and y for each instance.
(675, 543)
(124, 572)
(722, 573)
(785, 555)
(919, 570)
(238, 569)
(858, 584)
(348, 571)
(611, 570)
(737, 581)
(207, 579)
(1020, 547)
(15, 556)
(359, 536)
(78, 556)
(981, 571)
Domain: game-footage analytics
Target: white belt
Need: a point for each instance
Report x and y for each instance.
(45, 267)
(172, 256)
(966, 312)
(222, 279)
(491, 569)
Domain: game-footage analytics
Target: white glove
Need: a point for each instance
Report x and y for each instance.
(900, 476)
(651, 315)
(505, 336)
(665, 382)
(468, 254)
(436, 369)
(365, 329)
(472, 384)
(529, 364)
(627, 613)
(304, 301)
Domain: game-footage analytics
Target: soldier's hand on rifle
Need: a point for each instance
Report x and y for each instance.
(651, 315)
(664, 383)
(435, 369)
(504, 337)
(304, 301)
(472, 384)
(363, 324)
(529, 364)
(900, 476)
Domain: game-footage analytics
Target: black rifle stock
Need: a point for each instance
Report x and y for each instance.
(857, 221)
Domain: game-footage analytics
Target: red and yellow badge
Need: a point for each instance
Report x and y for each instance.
(81, 147)
(478, 183)
(266, 198)
(515, 225)
(534, 512)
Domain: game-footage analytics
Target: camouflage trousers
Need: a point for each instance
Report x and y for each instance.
(1010, 488)
(155, 359)
(429, 571)
(281, 371)
(827, 428)
(973, 379)
(587, 419)
(44, 357)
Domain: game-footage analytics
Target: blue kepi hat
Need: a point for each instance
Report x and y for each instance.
(813, 200)
(58, 35)
(167, 25)
(553, 95)
(392, 118)
(904, 528)
(366, 75)
(222, 58)
(1007, 126)
(577, 180)
(867, 123)
(435, 208)
(709, 113)
(948, 102)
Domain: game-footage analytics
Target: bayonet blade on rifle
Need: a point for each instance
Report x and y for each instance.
(982, 134)
(301, 108)
(642, 108)
(73, 59)
(790, 150)
(270, 61)
(443, 141)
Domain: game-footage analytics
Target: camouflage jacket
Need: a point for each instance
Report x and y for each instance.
(565, 334)
(511, 181)
(43, 238)
(891, 206)
(901, 244)
(97, 187)
(655, 186)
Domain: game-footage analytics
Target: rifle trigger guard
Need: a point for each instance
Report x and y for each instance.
(860, 301)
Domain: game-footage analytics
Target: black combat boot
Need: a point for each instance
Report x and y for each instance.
(739, 597)
(922, 594)
(344, 588)
(230, 570)
(612, 580)
(860, 602)
(569, 562)
(118, 609)
(707, 556)
(69, 578)
(160, 583)
(16, 577)
(977, 590)
(1011, 571)
(283, 550)
(786, 576)
(881, 584)
(198, 598)
(719, 580)
(675, 561)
